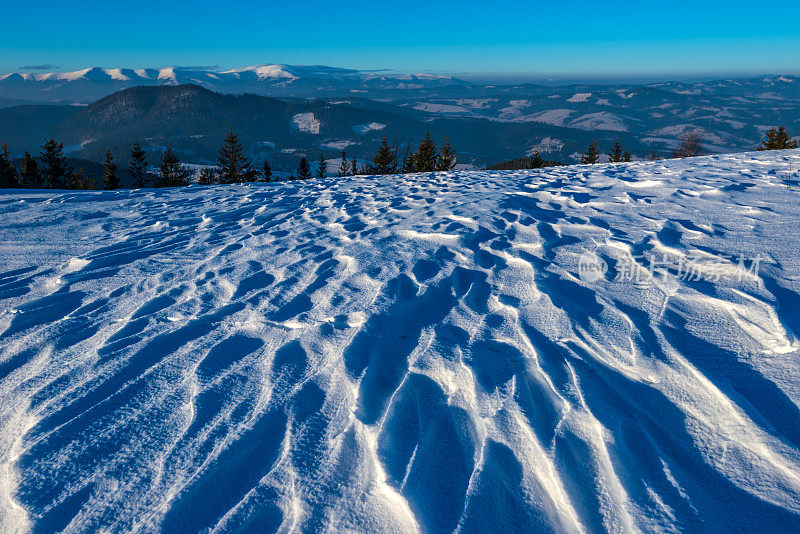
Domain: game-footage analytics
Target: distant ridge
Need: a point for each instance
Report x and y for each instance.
(89, 84)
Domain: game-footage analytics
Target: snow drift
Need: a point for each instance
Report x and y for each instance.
(412, 353)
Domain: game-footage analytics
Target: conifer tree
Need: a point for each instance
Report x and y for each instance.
(537, 161)
(171, 172)
(426, 158)
(8, 173)
(56, 169)
(234, 167)
(354, 167)
(30, 172)
(407, 164)
(344, 166)
(617, 153)
(76, 180)
(304, 169)
(90, 183)
(110, 179)
(138, 165)
(777, 140)
(266, 171)
(207, 176)
(322, 167)
(385, 161)
(447, 158)
(591, 156)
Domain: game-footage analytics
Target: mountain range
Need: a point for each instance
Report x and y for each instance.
(90, 84)
(282, 112)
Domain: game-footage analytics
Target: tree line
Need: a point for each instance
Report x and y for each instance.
(52, 169)
(689, 145)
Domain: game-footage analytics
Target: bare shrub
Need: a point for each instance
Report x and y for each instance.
(689, 146)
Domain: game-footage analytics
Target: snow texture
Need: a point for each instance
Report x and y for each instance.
(306, 122)
(402, 354)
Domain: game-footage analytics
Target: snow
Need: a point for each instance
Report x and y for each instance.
(306, 122)
(411, 353)
(602, 120)
(364, 129)
(548, 144)
(340, 144)
(579, 97)
(555, 117)
(432, 107)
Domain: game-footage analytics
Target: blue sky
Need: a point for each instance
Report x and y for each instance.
(567, 38)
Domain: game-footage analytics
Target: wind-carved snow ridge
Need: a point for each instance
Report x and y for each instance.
(413, 353)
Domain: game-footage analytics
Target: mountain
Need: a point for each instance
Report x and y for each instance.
(487, 124)
(193, 121)
(91, 84)
(576, 349)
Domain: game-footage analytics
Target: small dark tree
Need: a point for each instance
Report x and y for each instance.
(77, 180)
(171, 173)
(537, 161)
(689, 146)
(591, 156)
(56, 169)
(344, 166)
(30, 172)
(407, 162)
(385, 161)
(8, 173)
(207, 176)
(447, 157)
(110, 180)
(234, 167)
(322, 166)
(354, 166)
(138, 165)
(426, 158)
(266, 172)
(777, 140)
(618, 154)
(304, 169)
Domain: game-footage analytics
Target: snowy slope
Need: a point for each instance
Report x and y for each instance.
(425, 352)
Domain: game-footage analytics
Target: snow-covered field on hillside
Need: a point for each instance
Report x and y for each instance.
(588, 348)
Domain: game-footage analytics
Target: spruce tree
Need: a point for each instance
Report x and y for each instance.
(617, 153)
(138, 165)
(304, 169)
(266, 172)
(322, 167)
(447, 158)
(207, 176)
(591, 156)
(56, 169)
(30, 172)
(8, 173)
(354, 166)
(407, 164)
(171, 172)
(234, 167)
(385, 161)
(777, 140)
(110, 179)
(344, 166)
(426, 158)
(537, 161)
(76, 180)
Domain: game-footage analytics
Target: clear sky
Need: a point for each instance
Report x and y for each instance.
(568, 38)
